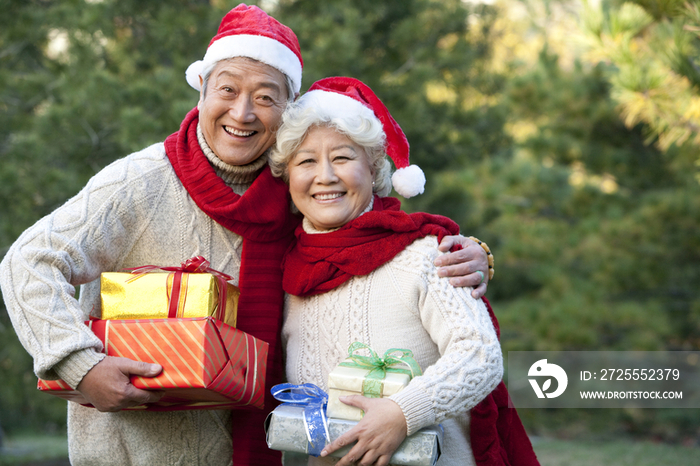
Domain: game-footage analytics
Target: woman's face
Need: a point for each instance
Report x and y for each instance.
(330, 178)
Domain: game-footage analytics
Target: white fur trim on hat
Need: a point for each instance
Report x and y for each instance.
(194, 71)
(335, 105)
(261, 48)
(409, 181)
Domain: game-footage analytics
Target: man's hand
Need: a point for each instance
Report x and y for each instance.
(378, 434)
(108, 388)
(463, 265)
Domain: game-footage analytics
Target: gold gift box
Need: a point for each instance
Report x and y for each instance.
(126, 296)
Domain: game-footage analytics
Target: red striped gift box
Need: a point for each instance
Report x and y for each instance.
(207, 364)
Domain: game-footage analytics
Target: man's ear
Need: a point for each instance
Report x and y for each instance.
(201, 92)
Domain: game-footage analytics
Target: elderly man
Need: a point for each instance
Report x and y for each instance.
(205, 191)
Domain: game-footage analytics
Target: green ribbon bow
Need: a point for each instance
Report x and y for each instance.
(372, 385)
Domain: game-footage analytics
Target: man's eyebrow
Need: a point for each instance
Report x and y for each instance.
(226, 73)
(261, 84)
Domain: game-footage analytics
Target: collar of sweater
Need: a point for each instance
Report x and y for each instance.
(237, 177)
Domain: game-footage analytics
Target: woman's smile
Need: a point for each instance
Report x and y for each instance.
(327, 196)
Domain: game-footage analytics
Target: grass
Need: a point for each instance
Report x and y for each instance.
(552, 452)
(34, 450)
(45, 450)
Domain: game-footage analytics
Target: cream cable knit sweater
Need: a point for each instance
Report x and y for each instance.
(134, 212)
(403, 304)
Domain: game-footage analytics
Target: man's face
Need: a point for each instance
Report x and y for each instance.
(242, 109)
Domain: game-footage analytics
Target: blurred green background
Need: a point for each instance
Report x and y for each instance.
(565, 134)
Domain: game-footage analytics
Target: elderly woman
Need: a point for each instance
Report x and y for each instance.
(362, 270)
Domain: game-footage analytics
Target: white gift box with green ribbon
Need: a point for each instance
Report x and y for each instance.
(370, 376)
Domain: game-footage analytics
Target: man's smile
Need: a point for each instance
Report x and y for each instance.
(237, 132)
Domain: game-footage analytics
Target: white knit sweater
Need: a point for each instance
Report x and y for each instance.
(403, 304)
(134, 212)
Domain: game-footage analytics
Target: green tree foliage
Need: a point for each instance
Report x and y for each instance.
(594, 229)
(653, 49)
(82, 83)
(418, 56)
(588, 202)
(21, 405)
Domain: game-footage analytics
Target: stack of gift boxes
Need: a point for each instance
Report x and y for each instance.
(309, 418)
(184, 319)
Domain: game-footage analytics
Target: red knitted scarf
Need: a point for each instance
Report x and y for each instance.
(262, 217)
(317, 263)
(320, 262)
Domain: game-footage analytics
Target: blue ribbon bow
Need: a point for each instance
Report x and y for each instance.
(314, 401)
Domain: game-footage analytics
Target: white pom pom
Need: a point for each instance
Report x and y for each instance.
(409, 181)
(192, 74)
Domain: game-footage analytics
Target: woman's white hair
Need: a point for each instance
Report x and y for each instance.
(367, 133)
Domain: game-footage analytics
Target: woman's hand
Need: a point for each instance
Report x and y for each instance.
(463, 266)
(378, 434)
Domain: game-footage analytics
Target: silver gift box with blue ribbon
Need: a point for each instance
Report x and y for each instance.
(294, 427)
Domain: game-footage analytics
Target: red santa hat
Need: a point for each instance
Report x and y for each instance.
(342, 97)
(247, 31)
